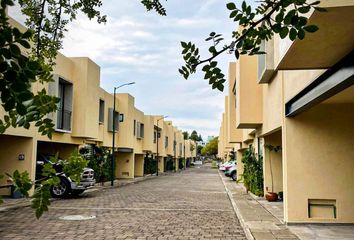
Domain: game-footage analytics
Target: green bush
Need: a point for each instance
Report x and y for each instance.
(181, 163)
(170, 166)
(253, 172)
(99, 160)
(149, 164)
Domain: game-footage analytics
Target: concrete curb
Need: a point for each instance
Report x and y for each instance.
(237, 211)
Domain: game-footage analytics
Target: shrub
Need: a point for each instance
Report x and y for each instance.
(253, 172)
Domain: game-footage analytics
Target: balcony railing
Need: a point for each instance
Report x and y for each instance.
(64, 119)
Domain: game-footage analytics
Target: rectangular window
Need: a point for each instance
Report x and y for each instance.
(101, 112)
(142, 130)
(110, 120)
(155, 136)
(134, 130)
(166, 142)
(139, 130)
(65, 93)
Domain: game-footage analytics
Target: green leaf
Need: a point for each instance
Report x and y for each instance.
(289, 16)
(237, 54)
(231, 6)
(40, 200)
(279, 18)
(304, 9)
(293, 34)
(220, 87)
(184, 44)
(21, 109)
(25, 44)
(206, 68)
(244, 6)
(15, 49)
(315, 3)
(233, 14)
(301, 34)
(27, 34)
(311, 28)
(283, 32)
(22, 182)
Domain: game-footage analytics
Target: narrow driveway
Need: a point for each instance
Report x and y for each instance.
(188, 205)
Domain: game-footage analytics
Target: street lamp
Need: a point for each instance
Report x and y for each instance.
(184, 153)
(114, 128)
(157, 145)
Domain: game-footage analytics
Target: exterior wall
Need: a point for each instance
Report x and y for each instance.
(125, 165)
(162, 125)
(272, 164)
(295, 81)
(161, 164)
(170, 135)
(180, 144)
(86, 79)
(273, 104)
(139, 165)
(234, 135)
(319, 149)
(9, 157)
(148, 143)
(126, 138)
(138, 142)
(248, 93)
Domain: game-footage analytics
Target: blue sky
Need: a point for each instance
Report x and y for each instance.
(144, 47)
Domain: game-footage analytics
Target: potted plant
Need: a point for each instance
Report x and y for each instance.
(281, 196)
(272, 196)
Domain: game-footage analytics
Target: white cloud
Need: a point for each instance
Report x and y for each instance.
(144, 47)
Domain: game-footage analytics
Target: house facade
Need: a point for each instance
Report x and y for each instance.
(300, 97)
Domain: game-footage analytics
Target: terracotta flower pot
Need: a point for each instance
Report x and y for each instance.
(271, 197)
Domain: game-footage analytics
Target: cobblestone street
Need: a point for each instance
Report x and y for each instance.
(189, 205)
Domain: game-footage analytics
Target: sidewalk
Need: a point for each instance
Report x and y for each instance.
(257, 222)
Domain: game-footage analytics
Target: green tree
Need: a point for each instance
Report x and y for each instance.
(211, 148)
(270, 17)
(195, 137)
(185, 135)
(28, 57)
(199, 149)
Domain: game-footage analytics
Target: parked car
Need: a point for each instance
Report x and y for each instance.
(225, 165)
(66, 185)
(232, 172)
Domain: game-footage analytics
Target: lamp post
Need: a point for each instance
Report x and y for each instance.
(184, 153)
(157, 145)
(114, 128)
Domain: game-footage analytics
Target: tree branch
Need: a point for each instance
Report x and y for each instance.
(253, 25)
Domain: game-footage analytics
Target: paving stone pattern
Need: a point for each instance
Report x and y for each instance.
(257, 220)
(188, 205)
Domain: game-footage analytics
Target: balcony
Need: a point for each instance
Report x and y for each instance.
(266, 67)
(324, 48)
